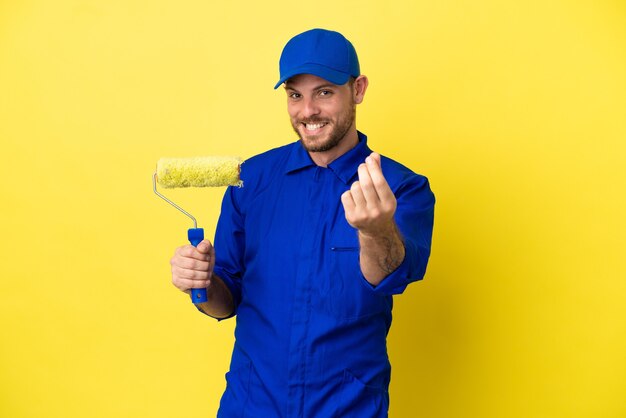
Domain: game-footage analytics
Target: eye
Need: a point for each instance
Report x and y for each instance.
(293, 95)
(325, 92)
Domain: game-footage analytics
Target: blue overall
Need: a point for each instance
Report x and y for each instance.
(310, 337)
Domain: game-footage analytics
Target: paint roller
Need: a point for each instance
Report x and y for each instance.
(196, 172)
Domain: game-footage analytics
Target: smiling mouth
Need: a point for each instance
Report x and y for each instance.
(314, 126)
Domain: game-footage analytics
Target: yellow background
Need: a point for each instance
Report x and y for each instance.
(515, 110)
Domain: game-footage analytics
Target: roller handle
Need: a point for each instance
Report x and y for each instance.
(196, 235)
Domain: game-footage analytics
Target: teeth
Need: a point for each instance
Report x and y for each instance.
(313, 126)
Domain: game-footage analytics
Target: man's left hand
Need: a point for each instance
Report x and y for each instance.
(370, 204)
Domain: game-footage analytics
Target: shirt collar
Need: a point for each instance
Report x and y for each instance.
(344, 167)
(298, 158)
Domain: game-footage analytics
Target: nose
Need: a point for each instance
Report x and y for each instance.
(309, 108)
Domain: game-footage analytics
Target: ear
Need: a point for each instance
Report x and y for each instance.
(360, 86)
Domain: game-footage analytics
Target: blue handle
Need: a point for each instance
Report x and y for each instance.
(196, 235)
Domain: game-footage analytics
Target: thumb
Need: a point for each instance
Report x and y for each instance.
(376, 157)
(205, 246)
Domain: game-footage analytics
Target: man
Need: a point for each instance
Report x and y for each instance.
(309, 252)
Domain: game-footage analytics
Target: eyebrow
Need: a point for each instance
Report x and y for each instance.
(321, 86)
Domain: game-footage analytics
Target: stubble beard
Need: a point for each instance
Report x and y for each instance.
(338, 132)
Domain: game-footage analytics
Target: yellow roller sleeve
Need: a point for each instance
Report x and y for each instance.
(198, 172)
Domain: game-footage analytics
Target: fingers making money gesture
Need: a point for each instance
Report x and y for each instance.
(370, 204)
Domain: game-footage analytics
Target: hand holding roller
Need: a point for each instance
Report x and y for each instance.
(196, 172)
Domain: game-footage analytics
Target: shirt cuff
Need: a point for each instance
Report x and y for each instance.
(397, 280)
(211, 316)
(232, 287)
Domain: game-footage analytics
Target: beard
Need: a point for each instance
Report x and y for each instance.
(339, 129)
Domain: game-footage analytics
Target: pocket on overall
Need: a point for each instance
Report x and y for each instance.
(350, 296)
(358, 400)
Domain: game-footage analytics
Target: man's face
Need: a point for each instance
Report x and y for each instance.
(321, 113)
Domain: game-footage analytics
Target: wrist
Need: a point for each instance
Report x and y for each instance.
(385, 230)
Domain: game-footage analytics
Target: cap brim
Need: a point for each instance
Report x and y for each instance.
(334, 76)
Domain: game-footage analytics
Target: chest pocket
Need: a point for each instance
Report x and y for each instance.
(349, 296)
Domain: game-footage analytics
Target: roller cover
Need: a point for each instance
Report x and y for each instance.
(198, 172)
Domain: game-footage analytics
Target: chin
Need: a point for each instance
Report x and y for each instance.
(312, 141)
(319, 145)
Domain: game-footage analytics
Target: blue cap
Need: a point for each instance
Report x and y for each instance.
(320, 52)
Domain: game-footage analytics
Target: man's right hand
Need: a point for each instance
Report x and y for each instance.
(192, 267)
